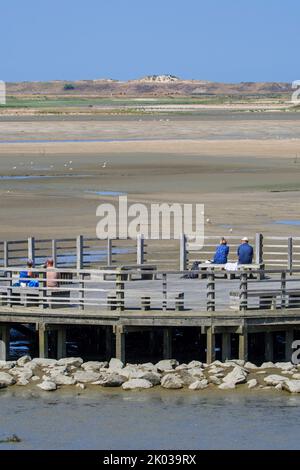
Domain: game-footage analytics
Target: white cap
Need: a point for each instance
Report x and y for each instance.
(245, 239)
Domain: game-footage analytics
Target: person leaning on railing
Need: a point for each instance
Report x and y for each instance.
(52, 275)
(27, 278)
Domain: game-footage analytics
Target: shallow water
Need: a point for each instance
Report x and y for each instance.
(288, 222)
(151, 420)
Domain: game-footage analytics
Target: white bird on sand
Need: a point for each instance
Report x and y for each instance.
(71, 161)
(230, 230)
(208, 221)
(14, 167)
(104, 165)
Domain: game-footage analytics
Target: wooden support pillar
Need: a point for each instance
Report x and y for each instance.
(43, 340)
(61, 342)
(290, 254)
(210, 345)
(269, 353)
(54, 252)
(108, 342)
(5, 254)
(243, 343)
(167, 350)
(4, 342)
(120, 342)
(289, 338)
(226, 346)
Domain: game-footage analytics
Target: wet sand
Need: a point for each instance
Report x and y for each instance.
(245, 171)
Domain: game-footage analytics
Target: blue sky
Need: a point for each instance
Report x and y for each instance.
(219, 40)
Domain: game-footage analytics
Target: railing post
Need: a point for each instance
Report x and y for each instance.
(243, 291)
(4, 342)
(5, 254)
(109, 252)
(183, 253)
(31, 249)
(290, 254)
(79, 252)
(120, 290)
(164, 292)
(259, 248)
(283, 289)
(210, 292)
(81, 290)
(140, 244)
(54, 252)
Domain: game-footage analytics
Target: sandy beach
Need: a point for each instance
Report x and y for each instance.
(245, 170)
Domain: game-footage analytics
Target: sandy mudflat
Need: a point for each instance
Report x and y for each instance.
(244, 171)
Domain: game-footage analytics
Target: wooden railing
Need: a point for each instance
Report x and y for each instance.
(110, 289)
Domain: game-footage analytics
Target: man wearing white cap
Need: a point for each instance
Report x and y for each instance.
(245, 252)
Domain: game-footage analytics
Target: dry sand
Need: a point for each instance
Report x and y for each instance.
(245, 183)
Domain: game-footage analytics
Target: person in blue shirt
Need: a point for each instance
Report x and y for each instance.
(222, 252)
(245, 252)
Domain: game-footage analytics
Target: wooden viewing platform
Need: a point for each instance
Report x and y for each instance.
(255, 301)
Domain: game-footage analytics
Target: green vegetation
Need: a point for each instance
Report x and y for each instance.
(69, 86)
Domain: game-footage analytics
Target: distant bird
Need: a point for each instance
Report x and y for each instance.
(71, 169)
(71, 161)
(208, 221)
(65, 164)
(104, 165)
(230, 230)
(14, 167)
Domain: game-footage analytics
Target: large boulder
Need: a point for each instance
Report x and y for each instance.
(172, 381)
(212, 379)
(284, 365)
(152, 377)
(274, 379)
(166, 365)
(70, 361)
(112, 380)
(115, 364)
(199, 385)
(6, 379)
(250, 366)
(47, 385)
(292, 386)
(6, 365)
(194, 364)
(227, 385)
(236, 362)
(136, 384)
(237, 376)
(23, 360)
(84, 376)
(94, 366)
(44, 362)
(268, 365)
(61, 379)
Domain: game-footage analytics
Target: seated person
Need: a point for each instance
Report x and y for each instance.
(27, 277)
(222, 252)
(52, 275)
(245, 252)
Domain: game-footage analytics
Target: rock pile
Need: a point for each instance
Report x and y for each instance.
(51, 374)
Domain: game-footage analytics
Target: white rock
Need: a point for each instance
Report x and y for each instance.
(6, 379)
(152, 377)
(279, 387)
(94, 365)
(196, 372)
(6, 365)
(227, 386)
(284, 365)
(44, 362)
(61, 379)
(252, 383)
(199, 385)
(250, 366)
(148, 366)
(195, 364)
(22, 381)
(47, 385)
(268, 365)
(35, 378)
(70, 361)
(292, 386)
(23, 360)
(237, 375)
(214, 380)
(112, 380)
(171, 381)
(236, 362)
(115, 363)
(82, 386)
(136, 384)
(85, 376)
(296, 376)
(166, 365)
(181, 367)
(274, 379)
